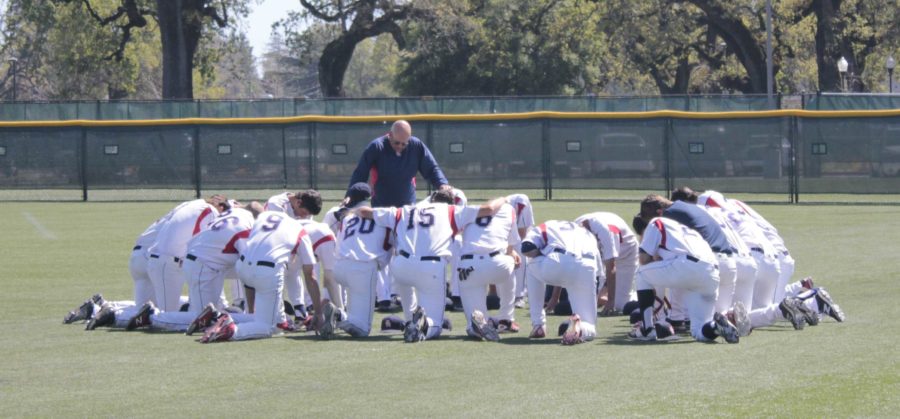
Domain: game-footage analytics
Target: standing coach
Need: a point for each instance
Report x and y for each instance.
(393, 161)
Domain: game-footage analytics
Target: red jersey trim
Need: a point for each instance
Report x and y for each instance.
(543, 228)
(615, 230)
(299, 239)
(323, 240)
(662, 232)
(451, 210)
(229, 247)
(203, 215)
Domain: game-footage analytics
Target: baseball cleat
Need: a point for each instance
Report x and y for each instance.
(414, 330)
(223, 329)
(638, 333)
(287, 326)
(519, 303)
(83, 312)
(809, 316)
(827, 305)
(725, 329)
(206, 318)
(538, 332)
(392, 324)
(330, 324)
(507, 326)
(482, 329)
(665, 332)
(572, 335)
(142, 318)
(105, 317)
(791, 312)
(741, 319)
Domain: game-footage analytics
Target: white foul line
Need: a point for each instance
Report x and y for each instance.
(47, 234)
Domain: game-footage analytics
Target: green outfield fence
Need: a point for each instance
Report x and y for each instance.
(781, 155)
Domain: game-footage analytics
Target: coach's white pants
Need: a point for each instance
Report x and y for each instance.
(168, 280)
(626, 266)
(358, 278)
(143, 286)
(745, 281)
(425, 283)
(700, 280)
(576, 275)
(476, 274)
(727, 277)
(767, 273)
(269, 284)
(785, 272)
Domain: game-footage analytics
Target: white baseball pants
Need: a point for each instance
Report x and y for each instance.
(143, 286)
(785, 272)
(576, 275)
(727, 281)
(767, 273)
(168, 280)
(425, 283)
(745, 281)
(626, 266)
(269, 285)
(479, 272)
(358, 278)
(699, 279)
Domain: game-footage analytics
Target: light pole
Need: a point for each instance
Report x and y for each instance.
(889, 65)
(842, 68)
(13, 62)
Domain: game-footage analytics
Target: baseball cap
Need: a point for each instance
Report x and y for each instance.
(358, 192)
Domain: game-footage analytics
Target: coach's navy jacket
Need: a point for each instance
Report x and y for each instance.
(395, 177)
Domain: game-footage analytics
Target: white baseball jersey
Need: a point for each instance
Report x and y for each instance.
(275, 238)
(359, 239)
(670, 239)
(425, 230)
(322, 240)
(220, 245)
(280, 203)
(330, 219)
(768, 229)
(746, 227)
(524, 213)
(611, 231)
(491, 234)
(734, 239)
(186, 221)
(564, 237)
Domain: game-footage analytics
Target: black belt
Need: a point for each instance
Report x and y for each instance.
(786, 253)
(406, 254)
(757, 249)
(563, 251)
(190, 257)
(467, 257)
(258, 263)
(692, 259)
(175, 258)
(725, 252)
(136, 248)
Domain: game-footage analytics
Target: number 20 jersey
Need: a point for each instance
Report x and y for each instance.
(360, 239)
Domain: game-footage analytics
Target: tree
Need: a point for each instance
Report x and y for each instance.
(355, 21)
(181, 26)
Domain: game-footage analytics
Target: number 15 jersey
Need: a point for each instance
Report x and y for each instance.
(425, 230)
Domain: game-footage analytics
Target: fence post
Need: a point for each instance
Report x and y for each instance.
(284, 168)
(313, 177)
(667, 148)
(429, 141)
(547, 159)
(197, 161)
(795, 167)
(84, 181)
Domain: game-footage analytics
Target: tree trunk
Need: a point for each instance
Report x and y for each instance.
(180, 35)
(333, 64)
(741, 41)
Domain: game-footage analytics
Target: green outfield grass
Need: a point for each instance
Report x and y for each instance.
(54, 255)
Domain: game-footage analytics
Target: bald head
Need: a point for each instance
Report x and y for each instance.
(399, 135)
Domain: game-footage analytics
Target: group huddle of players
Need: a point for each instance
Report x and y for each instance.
(701, 263)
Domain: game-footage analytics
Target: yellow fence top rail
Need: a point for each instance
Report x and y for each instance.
(454, 117)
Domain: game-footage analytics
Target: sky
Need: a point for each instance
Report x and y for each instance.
(262, 16)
